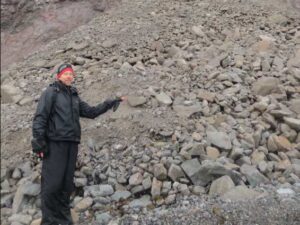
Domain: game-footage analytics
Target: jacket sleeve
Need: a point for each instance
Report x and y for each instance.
(91, 112)
(40, 120)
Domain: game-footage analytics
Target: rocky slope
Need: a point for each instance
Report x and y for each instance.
(212, 118)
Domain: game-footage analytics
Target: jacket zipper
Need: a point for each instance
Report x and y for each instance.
(71, 96)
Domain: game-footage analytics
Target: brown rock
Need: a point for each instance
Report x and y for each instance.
(206, 95)
(283, 144)
(212, 153)
(257, 157)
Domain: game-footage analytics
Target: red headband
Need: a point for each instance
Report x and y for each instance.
(65, 70)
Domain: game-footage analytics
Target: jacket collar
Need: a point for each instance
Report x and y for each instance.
(62, 87)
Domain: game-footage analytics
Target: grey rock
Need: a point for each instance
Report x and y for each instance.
(198, 30)
(80, 182)
(163, 98)
(18, 200)
(99, 190)
(26, 169)
(136, 100)
(156, 188)
(147, 183)
(170, 199)
(26, 101)
(160, 172)
(292, 122)
(136, 179)
(209, 171)
(142, 202)
(6, 199)
(285, 191)
(17, 174)
(219, 139)
(120, 195)
(265, 86)
(166, 187)
(20, 218)
(175, 172)
(295, 105)
(136, 190)
(109, 43)
(125, 68)
(31, 189)
(187, 111)
(206, 95)
(221, 185)
(103, 218)
(84, 204)
(236, 153)
(253, 176)
(263, 166)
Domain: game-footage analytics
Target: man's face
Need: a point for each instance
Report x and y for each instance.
(67, 78)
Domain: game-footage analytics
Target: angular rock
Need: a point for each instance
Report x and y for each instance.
(279, 143)
(175, 172)
(212, 153)
(253, 176)
(257, 157)
(136, 179)
(156, 188)
(265, 86)
(147, 183)
(136, 100)
(221, 185)
(160, 172)
(84, 204)
(295, 105)
(109, 43)
(187, 111)
(285, 191)
(20, 218)
(80, 182)
(142, 202)
(219, 139)
(102, 190)
(166, 187)
(292, 122)
(198, 30)
(36, 222)
(125, 68)
(103, 218)
(31, 189)
(203, 174)
(206, 95)
(163, 98)
(120, 195)
(18, 200)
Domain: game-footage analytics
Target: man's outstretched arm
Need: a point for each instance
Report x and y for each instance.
(92, 112)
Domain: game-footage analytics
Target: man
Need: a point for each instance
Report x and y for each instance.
(56, 135)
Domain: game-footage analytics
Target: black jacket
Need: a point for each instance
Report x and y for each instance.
(58, 112)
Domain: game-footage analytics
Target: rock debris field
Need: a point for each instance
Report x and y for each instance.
(210, 133)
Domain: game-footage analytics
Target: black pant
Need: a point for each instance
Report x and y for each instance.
(57, 182)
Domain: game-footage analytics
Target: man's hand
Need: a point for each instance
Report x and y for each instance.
(118, 100)
(39, 148)
(114, 104)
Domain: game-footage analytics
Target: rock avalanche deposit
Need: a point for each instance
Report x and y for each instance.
(211, 128)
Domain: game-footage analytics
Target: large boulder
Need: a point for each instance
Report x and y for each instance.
(266, 86)
(203, 174)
